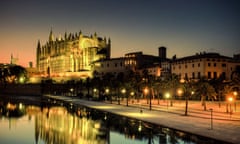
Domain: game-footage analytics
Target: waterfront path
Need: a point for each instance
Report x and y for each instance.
(224, 126)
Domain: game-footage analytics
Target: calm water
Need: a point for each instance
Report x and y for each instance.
(45, 121)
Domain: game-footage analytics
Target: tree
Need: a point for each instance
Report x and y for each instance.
(13, 74)
(187, 88)
(206, 91)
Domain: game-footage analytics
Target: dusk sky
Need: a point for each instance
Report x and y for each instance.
(185, 27)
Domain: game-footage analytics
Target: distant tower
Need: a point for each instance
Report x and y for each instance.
(51, 37)
(162, 52)
(30, 64)
(13, 60)
(38, 55)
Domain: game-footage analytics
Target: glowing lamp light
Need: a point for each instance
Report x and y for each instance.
(180, 92)
(235, 93)
(146, 90)
(132, 93)
(167, 95)
(123, 91)
(107, 90)
(230, 99)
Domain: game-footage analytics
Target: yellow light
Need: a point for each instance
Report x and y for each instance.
(235, 93)
(146, 90)
(180, 92)
(230, 99)
(132, 93)
(21, 79)
(123, 91)
(107, 90)
(167, 95)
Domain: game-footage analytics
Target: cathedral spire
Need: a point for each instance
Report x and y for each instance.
(38, 45)
(51, 37)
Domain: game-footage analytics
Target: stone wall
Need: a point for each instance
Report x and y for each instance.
(21, 89)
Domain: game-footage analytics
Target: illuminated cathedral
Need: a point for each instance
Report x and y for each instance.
(71, 55)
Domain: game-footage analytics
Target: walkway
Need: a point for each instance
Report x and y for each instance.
(225, 127)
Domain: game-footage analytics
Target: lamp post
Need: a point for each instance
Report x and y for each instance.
(230, 99)
(132, 94)
(167, 96)
(123, 92)
(107, 91)
(211, 110)
(235, 104)
(94, 92)
(146, 92)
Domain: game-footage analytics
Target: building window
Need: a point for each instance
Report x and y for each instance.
(193, 75)
(215, 75)
(224, 65)
(179, 67)
(209, 64)
(186, 76)
(224, 75)
(199, 75)
(214, 64)
(116, 64)
(209, 75)
(107, 64)
(185, 66)
(198, 64)
(193, 65)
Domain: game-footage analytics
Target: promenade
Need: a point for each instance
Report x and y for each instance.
(222, 126)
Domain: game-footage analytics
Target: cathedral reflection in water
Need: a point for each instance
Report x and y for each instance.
(57, 125)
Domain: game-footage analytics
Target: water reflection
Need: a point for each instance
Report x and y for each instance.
(64, 123)
(57, 125)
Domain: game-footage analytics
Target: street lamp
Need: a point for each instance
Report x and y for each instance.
(132, 94)
(211, 110)
(179, 92)
(123, 92)
(94, 92)
(167, 96)
(235, 93)
(230, 100)
(235, 96)
(107, 91)
(146, 92)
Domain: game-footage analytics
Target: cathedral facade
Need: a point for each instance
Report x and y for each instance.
(71, 55)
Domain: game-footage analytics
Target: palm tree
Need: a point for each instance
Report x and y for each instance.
(187, 88)
(206, 91)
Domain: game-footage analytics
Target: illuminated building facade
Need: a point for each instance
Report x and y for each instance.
(113, 66)
(71, 55)
(209, 65)
(138, 60)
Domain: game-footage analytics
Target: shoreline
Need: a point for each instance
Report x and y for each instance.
(225, 131)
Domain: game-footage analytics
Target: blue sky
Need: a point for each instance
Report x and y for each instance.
(185, 27)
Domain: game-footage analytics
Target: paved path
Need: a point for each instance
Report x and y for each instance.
(224, 128)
